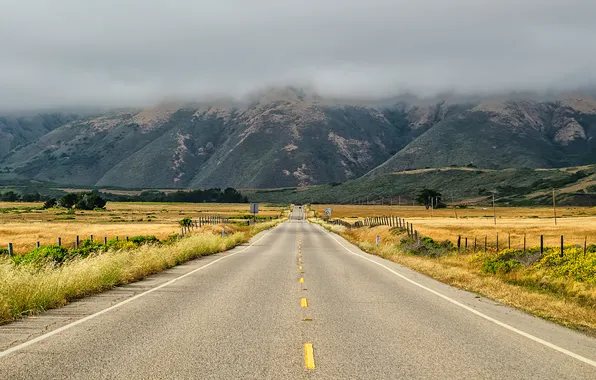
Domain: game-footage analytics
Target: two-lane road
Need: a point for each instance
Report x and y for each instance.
(255, 313)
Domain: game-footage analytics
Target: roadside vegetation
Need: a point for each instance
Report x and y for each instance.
(51, 276)
(24, 224)
(561, 288)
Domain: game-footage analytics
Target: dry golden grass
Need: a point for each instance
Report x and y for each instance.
(572, 304)
(353, 211)
(574, 223)
(23, 225)
(30, 289)
(24, 236)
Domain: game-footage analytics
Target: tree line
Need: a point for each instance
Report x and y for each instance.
(95, 199)
(228, 195)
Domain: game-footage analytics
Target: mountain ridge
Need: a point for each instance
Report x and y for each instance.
(289, 137)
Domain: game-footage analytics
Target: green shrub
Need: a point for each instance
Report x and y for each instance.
(426, 246)
(496, 265)
(51, 253)
(172, 238)
(140, 240)
(87, 247)
(3, 251)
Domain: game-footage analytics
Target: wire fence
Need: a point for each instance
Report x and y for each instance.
(465, 244)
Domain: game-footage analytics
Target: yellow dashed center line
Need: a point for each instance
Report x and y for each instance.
(309, 357)
(303, 302)
(299, 267)
(302, 280)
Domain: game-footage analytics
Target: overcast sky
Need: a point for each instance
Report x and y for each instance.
(135, 52)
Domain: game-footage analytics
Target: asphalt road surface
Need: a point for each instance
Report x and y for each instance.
(296, 303)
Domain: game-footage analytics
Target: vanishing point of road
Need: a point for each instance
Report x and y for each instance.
(297, 302)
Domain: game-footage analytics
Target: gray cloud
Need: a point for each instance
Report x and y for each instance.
(134, 52)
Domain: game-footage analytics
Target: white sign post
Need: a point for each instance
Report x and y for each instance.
(254, 210)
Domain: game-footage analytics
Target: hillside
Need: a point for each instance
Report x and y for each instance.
(16, 130)
(506, 134)
(459, 185)
(289, 138)
(283, 138)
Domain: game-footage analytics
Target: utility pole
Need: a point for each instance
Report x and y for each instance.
(555, 206)
(399, 200)
(494, 209)
(454, 206)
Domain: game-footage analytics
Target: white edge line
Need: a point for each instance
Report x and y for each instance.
(457, 303)
(120, 304)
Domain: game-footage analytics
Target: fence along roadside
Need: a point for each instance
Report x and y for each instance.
(195, 224)
(463, 242)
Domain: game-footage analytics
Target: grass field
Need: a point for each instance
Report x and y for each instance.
(545, 290)
(23, 224)
(574, 223)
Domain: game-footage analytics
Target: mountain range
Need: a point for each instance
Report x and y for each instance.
(291, 138)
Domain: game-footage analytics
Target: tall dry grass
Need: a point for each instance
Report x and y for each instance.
(22, 224)
(563, 300)
(24, 236)
(27, 290)
(574, 223)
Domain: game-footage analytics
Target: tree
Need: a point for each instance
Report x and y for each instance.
(69, 200)
(186, 222)
(49, 203)
(90, 201)
(33, 197)
(427, 197)
(10, 196)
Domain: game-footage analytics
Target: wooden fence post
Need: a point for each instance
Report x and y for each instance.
(59, 242)
(562, 247)
(497, 242)
(91, 237)
(509, 240)
(77, 242)
(10, 251)
(458, 243)
(524, 242)
(585, 245)
(541, 245)
(485, 242)
(466, 246)
(105, 240)
(37, 245)
(474, 244)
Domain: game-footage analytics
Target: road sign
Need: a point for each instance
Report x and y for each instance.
(328, 212)
(254, 208)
